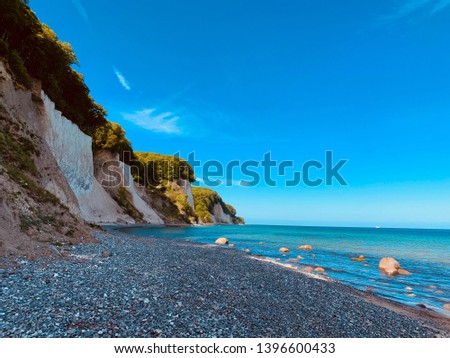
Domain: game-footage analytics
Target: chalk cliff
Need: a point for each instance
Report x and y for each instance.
(54, 143)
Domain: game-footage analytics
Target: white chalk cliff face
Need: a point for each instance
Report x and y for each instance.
(72, 150)
(71, 178)
(149, 215)
(185, 185)
(190, 196)
(21, 107)
(70, 147)
(110, 172)
(219, 216)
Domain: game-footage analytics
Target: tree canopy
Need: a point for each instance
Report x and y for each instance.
(160, 167)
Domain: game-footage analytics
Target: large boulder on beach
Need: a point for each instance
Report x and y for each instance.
(222, 241)
(284, 250)
(319, 269)
(305, 247)
(389, 265)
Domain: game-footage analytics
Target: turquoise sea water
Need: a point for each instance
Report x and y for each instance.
(424, 253)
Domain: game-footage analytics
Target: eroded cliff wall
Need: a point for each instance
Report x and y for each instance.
(72, 150)
(73, 182)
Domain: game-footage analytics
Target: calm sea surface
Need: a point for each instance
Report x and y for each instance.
(425, 253)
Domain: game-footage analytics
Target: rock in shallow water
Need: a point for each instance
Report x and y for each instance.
(222, 241)
(360, 258)
(389, 265)
(305, 247)
(404, 272)
(284, 250)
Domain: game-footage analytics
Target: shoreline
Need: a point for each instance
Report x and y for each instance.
(186, 289)
(398, 307)
(303, 266)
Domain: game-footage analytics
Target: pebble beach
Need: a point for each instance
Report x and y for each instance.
(126, 286)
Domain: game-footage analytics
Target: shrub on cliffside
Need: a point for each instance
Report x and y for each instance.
(111, 136)
(159, 168)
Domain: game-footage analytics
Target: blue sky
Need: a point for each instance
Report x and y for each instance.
(232, 80)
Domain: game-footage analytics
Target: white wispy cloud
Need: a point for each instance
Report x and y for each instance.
(412, 6)
(81, 10)
(166, 122)
(123, 81)
(441, 5)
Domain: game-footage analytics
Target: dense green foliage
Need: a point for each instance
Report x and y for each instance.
(111, 136)
(205, 199)
(34, 51)
(155, 168)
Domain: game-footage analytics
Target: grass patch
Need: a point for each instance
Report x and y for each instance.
(35, 191)
(18, 150)
(38, 221)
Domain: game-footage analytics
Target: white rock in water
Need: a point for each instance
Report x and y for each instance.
(222, 241)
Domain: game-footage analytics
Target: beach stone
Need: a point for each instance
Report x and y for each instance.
(319, 269)
(106, 254)
(447, 307)
(284, 250)
(222, 241)
(404, 272)
(308, 269)
(305, 247)
(231, 245)
(360, 258)
(389, 265)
